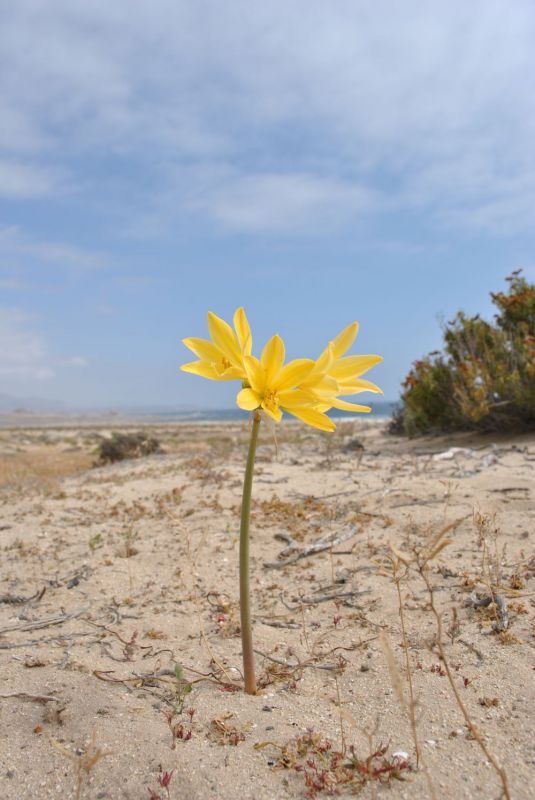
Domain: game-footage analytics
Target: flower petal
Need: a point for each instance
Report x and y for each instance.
(273, 358)
(293, 398)
(326, 359)
(243, 331)
(273, 412)
(232, 374)
(203, 369)
(313, 418)
(255, 374)
(344, 406)
(360, 385)
(293, 374)
(321, 385)
(203, 349)
(352, 366)
(322, 407)
(344, 340)
(248, 400)
(224, 338)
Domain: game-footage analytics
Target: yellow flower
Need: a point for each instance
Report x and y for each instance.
(341, 376)
(272, 387)
(222, 357)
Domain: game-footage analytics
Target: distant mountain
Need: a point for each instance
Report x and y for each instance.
(9, 404)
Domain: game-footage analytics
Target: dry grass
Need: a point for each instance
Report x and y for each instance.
(41, 469)
(152, 544)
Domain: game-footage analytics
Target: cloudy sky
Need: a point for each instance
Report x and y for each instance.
(317, 162)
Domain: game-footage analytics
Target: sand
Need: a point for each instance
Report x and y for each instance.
(126, 570)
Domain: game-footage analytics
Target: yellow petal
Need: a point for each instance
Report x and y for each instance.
(203, 349)
(293, 398)
(352, 366)
(325, 361)
(293, 374)
(255, 374)
(243, 331)
(344, 340)
(231, 374)
(322, 407)
(273, 358)
(248, 400)
(273, 412)
(360, 385)
(203, 369)
(224, 338)
(313, 418)
(322, 385)
(344, 406)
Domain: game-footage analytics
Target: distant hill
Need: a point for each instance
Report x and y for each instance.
(32, 405)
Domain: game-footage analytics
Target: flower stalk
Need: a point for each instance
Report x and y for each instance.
(245, 601)
(304, 388)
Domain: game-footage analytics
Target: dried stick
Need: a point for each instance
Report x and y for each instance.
(411, 709)
(423, 571)
(412, 705)
(17, 598)
(45, 623)
(39, 698)
(322, 598)
(311, 549)
(32, 642)
(300, 664)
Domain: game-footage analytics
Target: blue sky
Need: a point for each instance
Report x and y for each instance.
(315, 162)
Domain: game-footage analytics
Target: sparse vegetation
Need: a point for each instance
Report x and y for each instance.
(116, 616)
(121, 446)
(484, 379)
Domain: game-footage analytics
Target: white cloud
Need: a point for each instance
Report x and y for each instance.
(19, 180)
(283, 203)
(74, 361)
(23, 350)
(426, 103)
(14, 241)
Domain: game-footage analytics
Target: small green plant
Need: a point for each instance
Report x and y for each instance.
(484, 379)
(95, 541)
(183, 688)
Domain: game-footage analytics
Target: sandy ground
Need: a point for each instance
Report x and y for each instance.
(124, 571)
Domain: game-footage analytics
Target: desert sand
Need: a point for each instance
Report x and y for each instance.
(114, 575)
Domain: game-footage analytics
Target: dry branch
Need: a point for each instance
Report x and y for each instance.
(45, 623)
(18, 598)
(319, 546)
(39, 698)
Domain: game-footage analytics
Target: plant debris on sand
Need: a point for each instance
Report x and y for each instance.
(392, 603)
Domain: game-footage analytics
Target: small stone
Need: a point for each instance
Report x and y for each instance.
(364, 667)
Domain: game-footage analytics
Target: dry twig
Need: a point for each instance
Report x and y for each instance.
(312, 549)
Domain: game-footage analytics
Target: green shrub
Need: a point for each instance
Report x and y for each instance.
(484, 379)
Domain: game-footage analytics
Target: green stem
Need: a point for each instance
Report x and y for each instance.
(245, 606)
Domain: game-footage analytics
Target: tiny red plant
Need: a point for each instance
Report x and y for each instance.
(164, 780)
